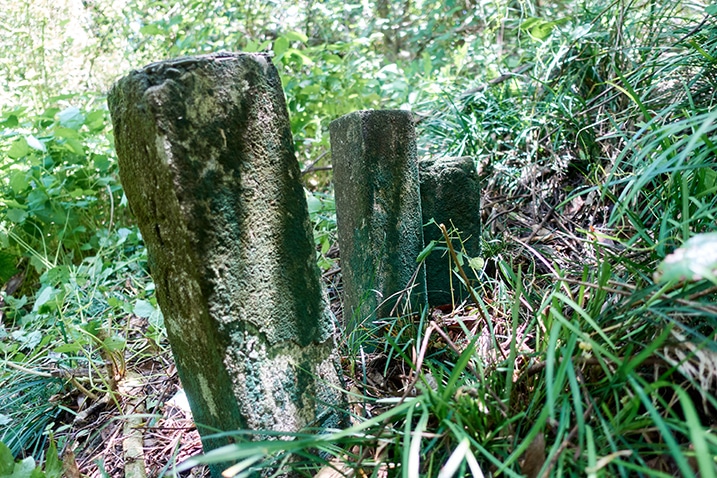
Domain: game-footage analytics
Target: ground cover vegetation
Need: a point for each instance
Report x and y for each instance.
(584, 351)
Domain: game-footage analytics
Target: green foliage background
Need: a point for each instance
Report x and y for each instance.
(599, 113)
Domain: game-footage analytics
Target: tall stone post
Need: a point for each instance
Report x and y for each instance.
(207, 163)
(450, 195)
(378, 212)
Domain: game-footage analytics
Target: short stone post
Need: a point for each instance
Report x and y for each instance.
(378, 212)
(207, 163)
(450, 195)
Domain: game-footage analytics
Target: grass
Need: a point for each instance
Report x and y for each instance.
(597, 380)
(70, 347)
(597, 161)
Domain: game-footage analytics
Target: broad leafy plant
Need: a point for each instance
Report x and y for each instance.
(59, 193)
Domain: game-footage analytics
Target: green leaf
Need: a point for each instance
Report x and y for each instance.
(253, 46)
(530, 23)
(311, 90)
(71, 348)
(176, 20)
(16, 304)
(305, 60)
(75, 146)
(313, 203)
(10, 122)
(426, 251)
(46, 295)
(38, 263)
(14, 204)
(18, 149)
(93, 327)
(17, 216)
(114, 302)
(296, 36)
(712, 9)
(28, 340)
(151, 29)
(38, 473)
(7, 266)
(427, 64)
(50, 112)
(695, 260)
(35, 143)
(63, 132)
(156, 320)
(540, 29)
(19, 182)
(101, 162)
(7, 461)
(114, 343)
(281, 44)
(95, 120)
(57, 275)
(143, 308)
(707, 181)
(541, 32)
(71, 118)
(24, 468)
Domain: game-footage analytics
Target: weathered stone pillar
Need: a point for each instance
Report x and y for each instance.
(450, 194)
(207, 163)
(378, 211)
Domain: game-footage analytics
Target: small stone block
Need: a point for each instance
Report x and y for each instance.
(450, 195)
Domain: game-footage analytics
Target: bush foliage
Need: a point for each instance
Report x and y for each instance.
(592, 125)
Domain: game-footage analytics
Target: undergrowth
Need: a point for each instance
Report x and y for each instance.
(597, 158)
(596, 153)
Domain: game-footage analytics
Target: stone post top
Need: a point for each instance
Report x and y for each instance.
(175, 67)
(388, 128)
(379, 112)
(375, 114)
(442, 162)
(189, 60)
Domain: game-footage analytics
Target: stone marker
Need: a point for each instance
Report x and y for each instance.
(207, 163)
(450, 194)
(378, 211)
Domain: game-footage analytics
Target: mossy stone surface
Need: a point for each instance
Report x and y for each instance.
(378, 211)
(450, 195)
(207, 163)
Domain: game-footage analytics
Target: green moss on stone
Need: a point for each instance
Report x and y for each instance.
(207, 162)
(378, 209)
